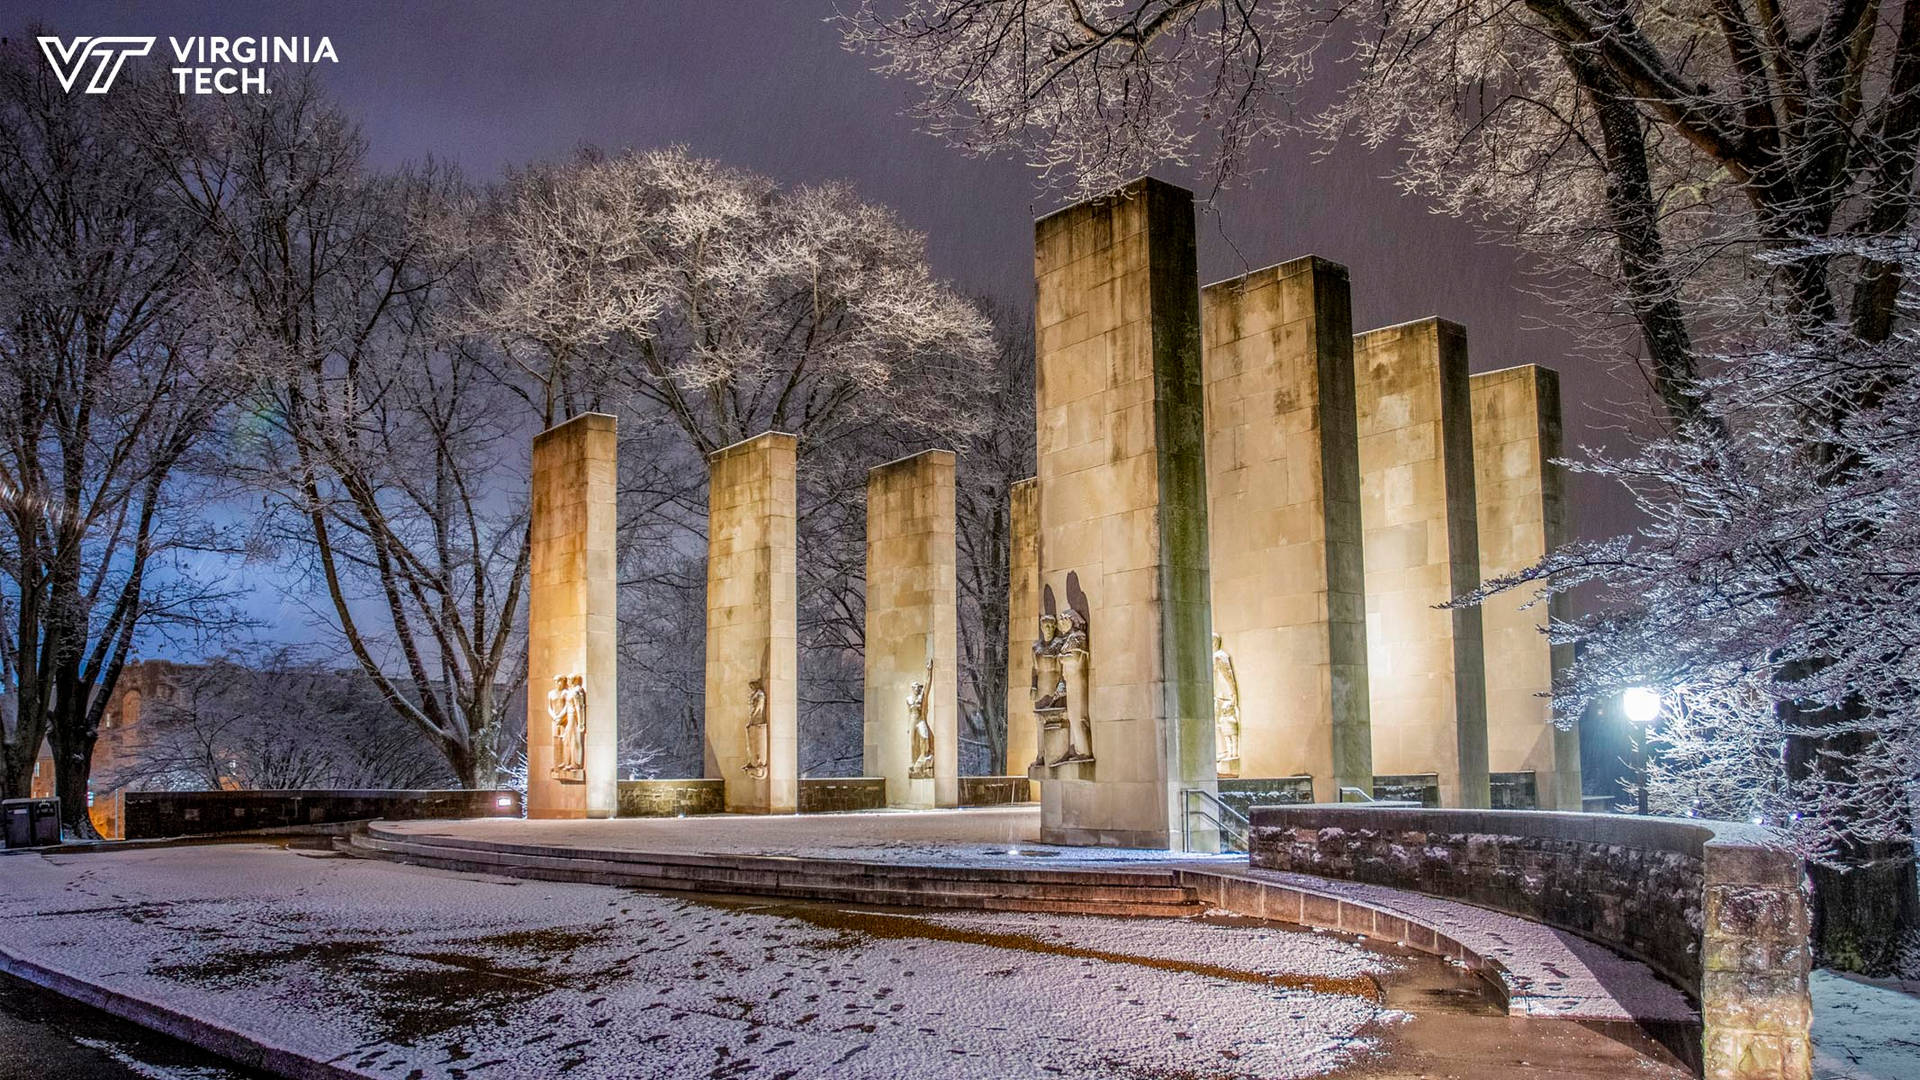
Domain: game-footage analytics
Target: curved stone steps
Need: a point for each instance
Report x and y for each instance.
(1074, 891)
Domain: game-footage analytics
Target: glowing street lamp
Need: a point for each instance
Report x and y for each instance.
(1642, 706)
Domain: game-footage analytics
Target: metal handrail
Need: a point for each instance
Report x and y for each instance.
(1231, 824)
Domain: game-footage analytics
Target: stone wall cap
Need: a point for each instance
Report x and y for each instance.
(1512, 368)
(1317, 262)
(1138, 184)
(744, 443)
(1440, 324)
(310, 793)
(600, 420)
(933, 451)
(1690, 834)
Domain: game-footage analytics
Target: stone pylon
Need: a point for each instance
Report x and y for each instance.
(1023, 620)
(1522, 504)
(752, 662)
(912, 631)
(1123, 519)
(1425, 671)
(572, 639)
(1283, 483)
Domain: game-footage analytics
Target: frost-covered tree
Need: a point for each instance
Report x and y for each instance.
(1728, 186)
(725, 304)
(713, 305)
(1772, 601)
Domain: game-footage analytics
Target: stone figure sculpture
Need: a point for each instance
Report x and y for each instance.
(756, 765)
(1226, 711)
(1048, 689)
(567, 708)
(922, 767)
(1075, 650)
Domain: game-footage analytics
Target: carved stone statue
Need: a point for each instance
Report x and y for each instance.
(1226, 711)
(567, 708)
(756, 765)
(922, 767)
(1048, 690)
(1074, 648)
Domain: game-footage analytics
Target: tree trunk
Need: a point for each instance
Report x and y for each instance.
(16, 778)
(72, 768)
(1865, 905)
(1865, 912)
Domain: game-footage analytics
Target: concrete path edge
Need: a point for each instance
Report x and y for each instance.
(241, 1049)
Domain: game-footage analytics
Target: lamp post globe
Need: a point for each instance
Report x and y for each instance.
(1641, 704)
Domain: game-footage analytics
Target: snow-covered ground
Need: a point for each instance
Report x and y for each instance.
(1865, 1030)
(393, 969)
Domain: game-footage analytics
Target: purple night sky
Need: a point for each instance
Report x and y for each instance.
(765, 85)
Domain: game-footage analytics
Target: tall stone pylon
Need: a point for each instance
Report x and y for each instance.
(912, 631)
(1425, 669)
(1023, 621)
(1283, 484)
(752, 625)
(1521, 496)
(573, 734)
(1123, 521)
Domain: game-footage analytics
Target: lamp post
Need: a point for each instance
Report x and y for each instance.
(1642, 706)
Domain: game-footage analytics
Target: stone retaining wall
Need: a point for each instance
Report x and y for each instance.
(836, 794)
(149, 815)
(995, 790)
(672, 798)
(1719, 908)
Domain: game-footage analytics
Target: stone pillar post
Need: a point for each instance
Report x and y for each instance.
(912, 630)
(1283, 486)
(1023, 620)
(1425, 674)
(752, 664)
(1123, 516)
(1521, 498)
(573, 735)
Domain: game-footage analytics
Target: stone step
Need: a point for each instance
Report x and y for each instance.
(1131, 878)
(1151, 896)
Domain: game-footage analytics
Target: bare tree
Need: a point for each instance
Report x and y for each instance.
(390, 452)
(111, 388)
(998, 456)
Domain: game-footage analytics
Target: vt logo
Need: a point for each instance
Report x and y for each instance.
(110, 52)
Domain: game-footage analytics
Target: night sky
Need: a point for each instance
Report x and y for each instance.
(765, 85)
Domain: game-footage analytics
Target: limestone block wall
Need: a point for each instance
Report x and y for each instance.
(1123, 505)
(1023, 620)
(752, 620)
(1426, 682)
(1283, 525)
(1522, 513)
(912, 626)
(1719, 908)
(571, 593)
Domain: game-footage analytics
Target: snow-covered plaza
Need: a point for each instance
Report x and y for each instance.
(385, 970)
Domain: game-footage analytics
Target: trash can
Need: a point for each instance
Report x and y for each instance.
(30, 822)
